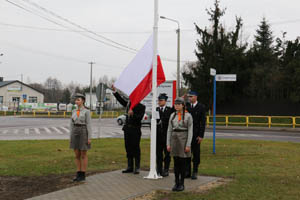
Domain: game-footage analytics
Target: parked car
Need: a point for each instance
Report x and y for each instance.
(146, 119)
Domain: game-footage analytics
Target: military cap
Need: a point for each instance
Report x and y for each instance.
(192, 93)
(78, 95)
(163, 96)
(179, 100)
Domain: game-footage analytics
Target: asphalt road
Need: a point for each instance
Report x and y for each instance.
(16, 128)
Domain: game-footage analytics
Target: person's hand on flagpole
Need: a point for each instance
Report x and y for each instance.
(113, 88)
(130, 112)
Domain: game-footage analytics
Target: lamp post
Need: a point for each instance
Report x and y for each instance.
(178, 53)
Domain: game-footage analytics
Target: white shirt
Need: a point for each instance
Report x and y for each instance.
(163, 108)
(195, 104)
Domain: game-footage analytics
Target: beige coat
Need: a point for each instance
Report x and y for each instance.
(83, 119)
(180, 134)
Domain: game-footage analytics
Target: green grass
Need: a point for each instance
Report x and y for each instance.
(259, 169)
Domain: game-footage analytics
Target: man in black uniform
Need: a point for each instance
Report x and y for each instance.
(162, 155)
(132, 133)
(197, 111)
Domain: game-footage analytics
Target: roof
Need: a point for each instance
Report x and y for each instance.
(5, 83)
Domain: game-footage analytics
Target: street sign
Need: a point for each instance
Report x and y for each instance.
(213, 72)
(101, 92)
(226, 77)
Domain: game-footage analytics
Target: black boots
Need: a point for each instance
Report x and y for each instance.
(194, 175)
(165, 173)
(137, 165)
(195, 172)
(130, 169)
(188, 168)
(129, 166)
(77, 176)
(80, 176)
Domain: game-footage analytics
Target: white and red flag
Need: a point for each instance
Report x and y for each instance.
(136, 79)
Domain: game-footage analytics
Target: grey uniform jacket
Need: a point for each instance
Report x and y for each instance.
(175, 125)
(83, 119)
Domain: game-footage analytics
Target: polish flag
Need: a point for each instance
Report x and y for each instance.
(136, 79)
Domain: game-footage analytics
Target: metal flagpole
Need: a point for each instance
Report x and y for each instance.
(153, 174)
(214, 128)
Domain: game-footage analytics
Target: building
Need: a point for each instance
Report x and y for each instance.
(14, 92)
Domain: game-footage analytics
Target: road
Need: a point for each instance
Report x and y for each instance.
(16, 128)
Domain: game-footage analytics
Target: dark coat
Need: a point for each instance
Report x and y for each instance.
(138, 112)
(199, 119)
(163, 122)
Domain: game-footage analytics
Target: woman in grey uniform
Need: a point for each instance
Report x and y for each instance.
(81, 133)
(179, 138)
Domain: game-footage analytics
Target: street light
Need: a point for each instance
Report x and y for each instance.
(178, 53)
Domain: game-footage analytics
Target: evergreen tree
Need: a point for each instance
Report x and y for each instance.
(217, 49)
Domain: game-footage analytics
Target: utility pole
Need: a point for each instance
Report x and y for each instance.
(91, 83)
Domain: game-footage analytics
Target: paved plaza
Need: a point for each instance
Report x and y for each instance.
(117, 186)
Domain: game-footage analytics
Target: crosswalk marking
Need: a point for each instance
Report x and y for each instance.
(16, 131)
(57, 130)
(26, 131)
(65, 129)
(47, 130)
(37, 131)
(4, 132)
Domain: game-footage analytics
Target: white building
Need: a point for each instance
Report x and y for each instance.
(14, 92)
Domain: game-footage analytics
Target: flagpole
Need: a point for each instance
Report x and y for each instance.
(153, 174)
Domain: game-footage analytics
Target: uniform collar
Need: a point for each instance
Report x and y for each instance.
(81, 108)
(194, 104)
(163, 108)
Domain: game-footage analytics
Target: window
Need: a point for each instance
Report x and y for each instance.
(16, 99)
(1, 99)
(32, 100)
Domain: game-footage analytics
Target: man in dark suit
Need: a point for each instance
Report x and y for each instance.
(197, 111)
(132, 133)
(162, 155)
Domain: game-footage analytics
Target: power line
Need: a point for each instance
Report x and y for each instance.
(77, 25)
(125, 47)
(81, 33)
(44, 53)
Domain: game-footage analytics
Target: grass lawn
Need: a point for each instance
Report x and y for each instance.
(259, 169)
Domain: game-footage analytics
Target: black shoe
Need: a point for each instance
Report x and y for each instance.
(128, 170)
(165, 173)
(81, 177)
(187, 176)
(136, 171)
(137, 166)
(194, 176)
(175, 188)
(77, 176)
(180, 188)
(129, 166)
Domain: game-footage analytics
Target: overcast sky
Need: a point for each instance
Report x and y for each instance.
(38, 54)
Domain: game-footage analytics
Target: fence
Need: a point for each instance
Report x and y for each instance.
(52, 114)
(266, 121)
(221, 120)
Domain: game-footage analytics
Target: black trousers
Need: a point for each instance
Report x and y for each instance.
(132, 136)
(179, 169)
(195, 148)
(162, 155)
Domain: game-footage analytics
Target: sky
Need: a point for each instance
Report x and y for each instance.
(30, 48)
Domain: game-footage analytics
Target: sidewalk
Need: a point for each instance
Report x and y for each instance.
(117, 186)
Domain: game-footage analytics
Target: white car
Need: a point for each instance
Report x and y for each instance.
(146, 119)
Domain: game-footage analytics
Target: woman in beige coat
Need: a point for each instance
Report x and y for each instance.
(81, 133)
(179, 138)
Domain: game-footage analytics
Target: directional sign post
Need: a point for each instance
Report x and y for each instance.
(218, 77)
